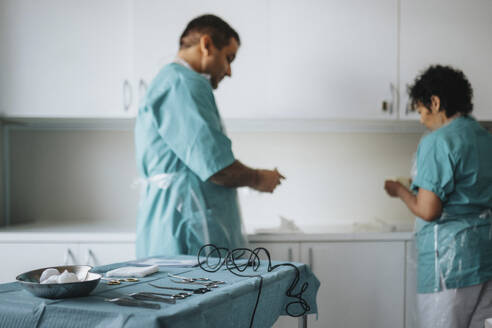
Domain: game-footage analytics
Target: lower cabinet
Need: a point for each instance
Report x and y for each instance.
(362, 283)
(411, 320)
(105, 253)
(35, 255)
(280, 251)
(17, 258)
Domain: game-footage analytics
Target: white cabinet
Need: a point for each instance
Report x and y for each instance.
(21, 257)
(318, 59)
(338, 60)
(448, 32)
(105, 253)
(411, 320)
(66, 58)
(159, 24)
(362, 283)
(35, 255)
(333, 59)
(280, 251)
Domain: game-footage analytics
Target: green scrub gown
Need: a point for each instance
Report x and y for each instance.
(180, 143)
(455, 163)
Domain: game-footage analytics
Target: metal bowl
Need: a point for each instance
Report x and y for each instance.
(30, 282)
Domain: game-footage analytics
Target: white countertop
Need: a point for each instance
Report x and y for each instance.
(335, 236)
(63, 231)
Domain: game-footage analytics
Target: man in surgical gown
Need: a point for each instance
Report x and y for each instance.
(184, 157)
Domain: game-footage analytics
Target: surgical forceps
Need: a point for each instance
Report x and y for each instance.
(143, 296)
(198, 281)
(111, 281)
(127, 301)
(202, 290)
(179, 296)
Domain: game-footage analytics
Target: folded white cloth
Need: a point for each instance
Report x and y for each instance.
(132, 271)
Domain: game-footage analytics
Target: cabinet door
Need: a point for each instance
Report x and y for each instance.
(280, 251)
(19, 258)
(105, 253)
(447, 32)
(332, 59)
(411, 319)
(159, 24)
(65, 58)
(362, 283)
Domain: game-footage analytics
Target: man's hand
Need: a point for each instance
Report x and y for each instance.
(239, 175)
(267, 180)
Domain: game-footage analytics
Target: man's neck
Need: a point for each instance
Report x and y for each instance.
(191, 57)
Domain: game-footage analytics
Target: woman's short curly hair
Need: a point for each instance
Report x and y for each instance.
(449, 84)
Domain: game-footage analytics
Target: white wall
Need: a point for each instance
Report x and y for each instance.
(331, 177)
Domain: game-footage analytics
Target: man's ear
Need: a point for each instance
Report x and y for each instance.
(435, 104)
(206, 44)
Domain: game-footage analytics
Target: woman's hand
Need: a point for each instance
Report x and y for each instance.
(393, 188)
(426, 205)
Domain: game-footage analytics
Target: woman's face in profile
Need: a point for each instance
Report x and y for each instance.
(433, 118)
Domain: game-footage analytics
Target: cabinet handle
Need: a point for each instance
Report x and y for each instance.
(387, 106)
(310, 256)
(384, 106)
(69, 255)
(290, 258)
(409, 108)
(127, 95)
(142, 89)
(90, 255)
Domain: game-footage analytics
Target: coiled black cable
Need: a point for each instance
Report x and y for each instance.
(211, 258)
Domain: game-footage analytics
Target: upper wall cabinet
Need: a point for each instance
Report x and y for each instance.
(316, 59)
(448, 32)
(332, 59)
(65, 58)
(159, 24)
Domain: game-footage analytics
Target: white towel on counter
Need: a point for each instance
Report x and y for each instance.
(133, 271)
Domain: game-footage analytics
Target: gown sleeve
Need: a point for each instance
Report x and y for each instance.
(188, 120)
(435, 168)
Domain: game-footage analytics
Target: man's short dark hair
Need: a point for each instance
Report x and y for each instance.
(449, 84)
(219, 31)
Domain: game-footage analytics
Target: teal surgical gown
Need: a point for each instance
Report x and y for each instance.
(180, 143)
(455, 163)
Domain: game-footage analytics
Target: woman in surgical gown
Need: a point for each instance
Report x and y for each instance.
(453, 203)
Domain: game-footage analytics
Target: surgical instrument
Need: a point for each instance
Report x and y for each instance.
(126, 301)
(202, 290)
(143, 296)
